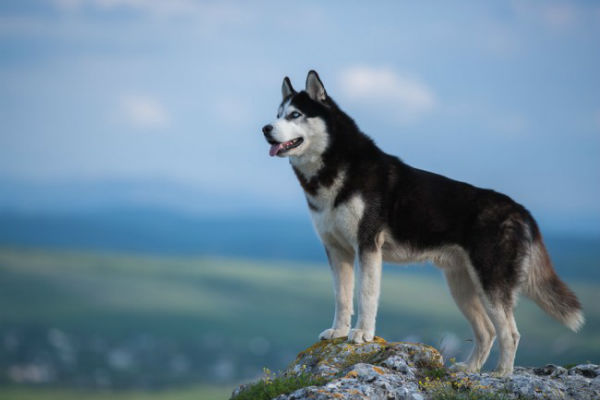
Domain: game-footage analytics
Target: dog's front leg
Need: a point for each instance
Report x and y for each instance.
(342, 268)
(370, 261)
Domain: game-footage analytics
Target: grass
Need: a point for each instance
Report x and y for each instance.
(272, 386)
(435, 373)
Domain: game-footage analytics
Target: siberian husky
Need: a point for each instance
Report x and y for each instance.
(370, 206)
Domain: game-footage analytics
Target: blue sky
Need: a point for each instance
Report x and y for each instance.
(500, 94)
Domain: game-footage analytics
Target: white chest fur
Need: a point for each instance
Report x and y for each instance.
(337, 226)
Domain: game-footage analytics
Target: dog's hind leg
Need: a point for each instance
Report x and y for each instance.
(513, 326)
(342, 268)
(501, 316)
(497, 250)
(464, 292)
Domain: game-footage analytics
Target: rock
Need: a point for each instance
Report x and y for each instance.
(550, 370)
(587, 370)
(383, 370)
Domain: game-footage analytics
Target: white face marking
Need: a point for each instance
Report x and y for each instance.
(286, 128)
(313, 131)
(281, 111)
(311, 161)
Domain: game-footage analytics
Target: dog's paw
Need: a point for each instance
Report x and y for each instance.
(333, 333)
(463, 367)
(360, 336)
(501, 372)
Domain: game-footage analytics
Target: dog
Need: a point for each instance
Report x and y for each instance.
(370, 206)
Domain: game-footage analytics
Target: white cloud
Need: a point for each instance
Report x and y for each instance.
(382, 85)
(143, 111)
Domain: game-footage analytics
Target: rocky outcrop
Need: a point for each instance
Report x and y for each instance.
(382, 370)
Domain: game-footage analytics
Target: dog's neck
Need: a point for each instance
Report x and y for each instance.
(307, 171)
(315, 173)
(309, 165)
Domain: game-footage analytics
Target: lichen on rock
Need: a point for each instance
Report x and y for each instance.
(399, 370)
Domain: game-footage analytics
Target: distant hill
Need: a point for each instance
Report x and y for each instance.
(164, 232)
(258, 236)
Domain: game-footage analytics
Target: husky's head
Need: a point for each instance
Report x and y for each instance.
(300, 130)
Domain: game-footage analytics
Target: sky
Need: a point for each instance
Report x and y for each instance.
(168, 97)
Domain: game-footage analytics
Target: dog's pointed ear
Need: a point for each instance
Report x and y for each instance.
(286, 88)
(314, 86)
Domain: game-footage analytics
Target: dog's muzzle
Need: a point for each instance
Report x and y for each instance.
(267, 129)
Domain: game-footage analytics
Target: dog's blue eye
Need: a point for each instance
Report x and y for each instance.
(294, 115)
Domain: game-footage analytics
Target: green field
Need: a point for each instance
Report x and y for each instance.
(72, 320)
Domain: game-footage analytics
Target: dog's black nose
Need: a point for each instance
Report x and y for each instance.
(267, 129)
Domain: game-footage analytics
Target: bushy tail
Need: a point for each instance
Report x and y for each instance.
(545, 288)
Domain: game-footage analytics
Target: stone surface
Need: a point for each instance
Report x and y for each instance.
(382, 370)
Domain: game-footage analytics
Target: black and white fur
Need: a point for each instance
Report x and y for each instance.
(370, 206)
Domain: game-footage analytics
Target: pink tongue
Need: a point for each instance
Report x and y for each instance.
(275, 149)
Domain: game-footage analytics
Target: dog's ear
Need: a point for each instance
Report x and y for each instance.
(286, 88)
(314, 86)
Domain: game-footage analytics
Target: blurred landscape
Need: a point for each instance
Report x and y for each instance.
(149, 247)
(146, 309)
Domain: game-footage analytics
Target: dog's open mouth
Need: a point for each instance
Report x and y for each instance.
(279, 148)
